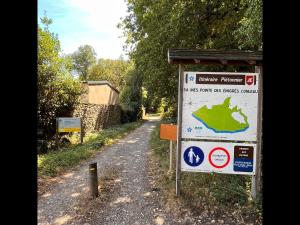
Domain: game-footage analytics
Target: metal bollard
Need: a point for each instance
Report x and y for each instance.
(93, 177)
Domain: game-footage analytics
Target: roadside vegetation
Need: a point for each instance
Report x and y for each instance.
(146, 80)
(60, 78)
(153, 27)
(201, 191)
(54, 162)
(59, 83)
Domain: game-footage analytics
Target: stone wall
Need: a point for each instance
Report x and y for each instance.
(96, 117)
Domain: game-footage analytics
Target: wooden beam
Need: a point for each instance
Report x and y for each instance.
(224, 62)
(256, 184)
(214, 57)
(179, 126)
(251, 62)
(212, 62)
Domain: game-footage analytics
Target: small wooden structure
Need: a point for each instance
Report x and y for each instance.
(100, 93)
(215, 57)
(218, 57)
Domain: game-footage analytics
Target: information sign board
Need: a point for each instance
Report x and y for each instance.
(218, 157)
(68, 124)
(220, 106)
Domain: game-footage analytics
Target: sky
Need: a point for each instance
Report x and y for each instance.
(92, 22)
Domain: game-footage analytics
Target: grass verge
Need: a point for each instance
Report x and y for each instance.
(223, 191)
(55, 162)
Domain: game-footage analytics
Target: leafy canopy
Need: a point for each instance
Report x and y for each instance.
(58, 91)
(152, 27)
(111, 70)
(83, 59)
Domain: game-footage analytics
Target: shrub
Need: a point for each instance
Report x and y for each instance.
(58, 91)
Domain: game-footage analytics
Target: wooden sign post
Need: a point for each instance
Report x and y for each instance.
(81, 132)
(256, 179)
(179, 129)
(169, 132)
(223, 58)
(171, 156)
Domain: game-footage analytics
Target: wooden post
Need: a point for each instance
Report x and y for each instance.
(171, 155)
(81, 132)
(93, 177)
(56, 134)
(179, 124)
(256, 179)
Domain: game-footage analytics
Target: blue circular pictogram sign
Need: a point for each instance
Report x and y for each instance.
(193, 156)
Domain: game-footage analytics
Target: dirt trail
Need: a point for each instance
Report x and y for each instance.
(132, 199)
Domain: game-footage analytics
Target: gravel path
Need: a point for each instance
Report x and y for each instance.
(132, 198)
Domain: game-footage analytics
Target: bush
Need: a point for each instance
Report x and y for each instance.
(58, 91)
(131, 97)
(128, 116)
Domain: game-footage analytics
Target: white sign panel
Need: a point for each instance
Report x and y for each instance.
(220, 106)
(218, 157)
(69, 124)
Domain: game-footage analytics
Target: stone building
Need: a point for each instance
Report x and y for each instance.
(99, 107)
(100, 92)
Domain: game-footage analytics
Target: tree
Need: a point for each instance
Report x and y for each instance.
(153, 27)
(249, 33)
(58, 92)
(111, 70)
(83, 59)
(131, 95)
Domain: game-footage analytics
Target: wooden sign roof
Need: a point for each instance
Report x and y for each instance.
(101, 82)
(212, 56)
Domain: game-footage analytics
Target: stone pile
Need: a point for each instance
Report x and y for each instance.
(96, 117)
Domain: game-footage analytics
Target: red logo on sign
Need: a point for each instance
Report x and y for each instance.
(211, 161)
(250, 79)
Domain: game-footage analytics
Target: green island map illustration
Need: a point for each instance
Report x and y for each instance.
(220, 118)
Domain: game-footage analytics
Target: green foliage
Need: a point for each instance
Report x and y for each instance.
(220, 188)
(83, 59)
(153, 27)
(160, 147)
(162, 106)
(58, 92)
(46, 21)
(249, 33)
(54, 162)
(111, 70)
(68, 62)
(131, 96)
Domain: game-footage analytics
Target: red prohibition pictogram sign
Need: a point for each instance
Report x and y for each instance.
(219, 149)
